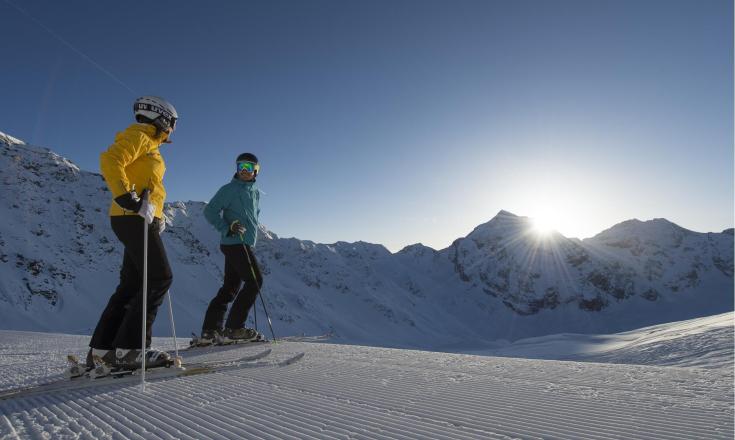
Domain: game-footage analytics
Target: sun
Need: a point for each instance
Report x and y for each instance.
(543, 227)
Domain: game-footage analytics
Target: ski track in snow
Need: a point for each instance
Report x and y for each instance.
(342, 391)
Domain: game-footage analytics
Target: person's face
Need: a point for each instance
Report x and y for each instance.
(246, 171)
(168, 131)
(246, 176)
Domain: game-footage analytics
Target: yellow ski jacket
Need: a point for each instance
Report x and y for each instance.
(134, 159)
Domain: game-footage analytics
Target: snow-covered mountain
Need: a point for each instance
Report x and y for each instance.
(59, 263)
(650, 260)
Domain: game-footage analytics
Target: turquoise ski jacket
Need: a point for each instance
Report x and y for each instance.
(237, 200)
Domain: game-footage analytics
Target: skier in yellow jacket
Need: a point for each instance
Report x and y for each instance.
(133, 169)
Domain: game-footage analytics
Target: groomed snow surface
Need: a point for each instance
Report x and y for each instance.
(347, 391)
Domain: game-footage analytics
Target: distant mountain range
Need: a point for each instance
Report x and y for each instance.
(59, 263)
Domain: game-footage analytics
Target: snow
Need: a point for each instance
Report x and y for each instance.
(703, 343)
(10, 140)
(348, 391)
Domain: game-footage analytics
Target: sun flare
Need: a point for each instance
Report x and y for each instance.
(543, 227)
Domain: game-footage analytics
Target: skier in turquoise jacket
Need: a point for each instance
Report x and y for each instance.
(234, 211)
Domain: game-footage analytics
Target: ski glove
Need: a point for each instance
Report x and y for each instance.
(147, 209)
(139, 205)
(236, 228)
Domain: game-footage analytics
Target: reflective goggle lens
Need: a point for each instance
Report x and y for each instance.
(250, 167)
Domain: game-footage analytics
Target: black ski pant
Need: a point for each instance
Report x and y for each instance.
(120, 323)
(240, 266)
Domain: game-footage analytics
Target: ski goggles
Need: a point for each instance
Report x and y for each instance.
(250, 167)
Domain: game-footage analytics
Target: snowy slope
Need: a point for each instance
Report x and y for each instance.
(701, 342)
(342, 391)
(59, 263)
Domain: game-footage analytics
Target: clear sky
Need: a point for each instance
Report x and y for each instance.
(398, 122)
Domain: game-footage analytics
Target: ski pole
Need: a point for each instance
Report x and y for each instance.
(145, 301)
(267, 316)
(255, 306)
(255, 278)
(255, 315)
(177, 361)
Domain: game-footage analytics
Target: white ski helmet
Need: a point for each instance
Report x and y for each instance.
(156, 110)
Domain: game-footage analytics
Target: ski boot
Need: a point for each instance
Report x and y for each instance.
(102, 365)
(238, 335)
(95, 357)
(77, 368)
(132, 359)
(208, 337)
(107, 356)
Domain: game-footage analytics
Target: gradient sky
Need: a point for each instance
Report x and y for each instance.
(398, 122)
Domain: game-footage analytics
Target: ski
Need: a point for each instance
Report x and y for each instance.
(102, 369)
(152, 374)
(195, 347)
(197, 342)
(193, 366)
(226, 341)
(305, 338)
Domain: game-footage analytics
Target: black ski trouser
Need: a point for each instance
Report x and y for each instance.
(120, 323)
(240, 266)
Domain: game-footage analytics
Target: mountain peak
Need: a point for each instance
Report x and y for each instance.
(503, 217)
(503, 213)
(634, 233)
(658, 227)
(504, 223)
(10, 140)
(417, 249)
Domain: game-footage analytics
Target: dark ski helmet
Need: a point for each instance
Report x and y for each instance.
(248, 157)
(155, 110)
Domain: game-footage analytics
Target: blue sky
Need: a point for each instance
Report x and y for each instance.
(398, 122)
